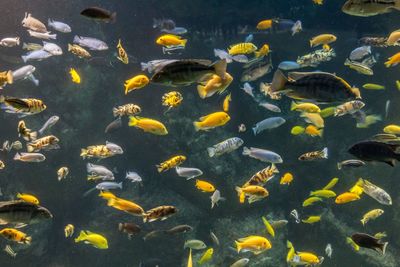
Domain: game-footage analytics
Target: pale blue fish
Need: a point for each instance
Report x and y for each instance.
(59, 26)
(176, 30)
(36, 55)
(262, 155)
(90, 43)
(297, 27)
(249, 38)
(270, 107)
(48, 124)
(188, 173)
(99, 171)
(360, 52)
(108, 186)
(289, 65)
(248, 89)
(134, 177)
(268, 124)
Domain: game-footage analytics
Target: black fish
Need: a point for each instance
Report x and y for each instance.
(321, 87)
(99, 13)
(129, 228)
(187, 71)
(179, 229)
(367, 241)
(374, 150)
(21, 212)
(114, 125)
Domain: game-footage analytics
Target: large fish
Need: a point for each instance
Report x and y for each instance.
(21, 212)
(366, 8)
(187, 71)
(367, 241)
(321, 87)
(98, 13)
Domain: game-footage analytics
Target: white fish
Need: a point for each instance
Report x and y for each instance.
(360, 52)
(9, 41)
(134, 177)
(188, 173)
(215, 198)
(240, 263)
(295, 215)
(41, 35)
(100, 171)
(52, 48)
(226, 146)
(58, 26)
(115, 149)
(297, 27)
(30, 157)
(268, 124)
(262, 155)
(176, 30)
(214, 238)
(173, 50)
(91, 43)
(328, 250)
(270, 107)
(248, 89)
(48, 124)
(23, 73)
(36, 55)
(387, 106)
(108, 186)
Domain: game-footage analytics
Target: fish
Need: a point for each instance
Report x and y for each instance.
(136, 82)
(325, 193)
(25, 132)
(370, 242)
(315, 155)
(131, 229)
(241, 128)
(242, 49)
(29, 157)
(9, 41)
(295, 215)
(169, 40)
(313, 131)
(33, 23)
(264, 24)
(262, 52)
(375, 192)
(351, 163)
(207, 256)
(52, 48)
(268, 124)
(215, 198)
(226, 146)
(214, 238)
(352, 244)
(114, 125)
(194, 244)
(249, 38)
(393, 60)
(322, 39)
(289, 65)
(187, 71)
(393, 38)
(225, 104)
(28, 198)
(211, 121)
(305, 107)
(287, 178)
(253, 192)
(270, 107)
(127, 110)
(310, 201)
(79, 51)
(125, 205)
(348, 108)
(148, 125)
(171, 100)
(48, 124)
(316, 57)
(312, 219)
(190, 260)
(179, 229)
(159, 213)
(75, 77)
(291, 253)
(45, 143)
(22, 212)
(188, 173)
(16, 236)
(204, 186)
(108, 186)
(268, 226)
(392, 129)
(248, 89)
(387, 107)
(331, 183)
(263, 176)
(371, 215)
(328, 250)
(256, 71)
(240, 263)
(96, 240)
(359, 67)
(346, 198)
(133, 177)
(321, 87)
(297, 27)
(296, 130)
(222, 54)
(170, 163)
(59, 26)
(90, 42)
(255, 244)
(360, 52)
(69, 230)
(100, 14)
(214, 85)
(370, 7)
(262, 155)
(306, 258)
(2, 165)
(25, 72)
(164, 24)
(122, 55)
(62, 173)
(373, 86)
(31, 46)
(45, 36)
(98, 172)
(36, 55)
(107, 195)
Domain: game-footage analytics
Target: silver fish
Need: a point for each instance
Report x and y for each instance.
(108, 186)
(52, 48)
(23, 72)
(360, 52)
(36, 55)
(188, 173)
(214, 238)
(194, 244)
(99, 171)
(295, 215)
(270, 107)
(387, 106)
(350, 163)
(256, 71)
(176, 30)
(30, 157)
(215, 198)
(40, 35)
(240, 263)
(297, 27)
(248, 89)
(133, 177)
(278, 224)
(183, 228)
(91, 43)
(115, 149)
(48, 124)
(59, 26)
(226, 146)
(262, 155)
(376, 192)
(33, 79)
(268, 124)
(328, 250)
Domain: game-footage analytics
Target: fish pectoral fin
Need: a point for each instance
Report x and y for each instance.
(20, 225)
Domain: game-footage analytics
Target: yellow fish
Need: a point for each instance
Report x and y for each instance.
(287, 178)
(254, 192)
(323, 193)
(357, 188)
(314, 118)
(264, 24)
(214, 84)
(242, 49)
(268, 227)
(318, 2)
(312, 219)
(15, 235)
(2, 165)
(22, 106)
(211, 121)
(346, 197)
(74, 76)
(171, 40)
(148, 125)
(296, 130)
(331, 183)
(6, 77)
(308, 258)
(311, 130)
(122, 55)
(190, 261)
(322, 39)
(206, 256)
(327, 112)
(225, 104)
(96, 240)
(393, 60)
(263, 51)
(291, 253)
(305, 107)
(311, 200)
(392, 129)
(371, 215)
(171, 99)
(398, 84)
(106, 195)
(369, 120)
(205, 186)
(373, 86)
(136, 82)
(126, 206)
(170, 163)
(28, 198)
(255, 244)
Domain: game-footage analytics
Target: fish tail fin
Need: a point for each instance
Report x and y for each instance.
(238, 246)
(320, 132)
(388, 64)
(24, 58)
(145, 218)
(24, 46)
(184, 41)
(17, 156)
(133, 121)
(384, 245)
(30, 148)
(19, 195)
(33, 136)
(83, 153)
(159, 168)
(311, 43)
(197, 125)
(363, 221)
(324, 153)
(278, 81)
(10, 77)
(113, 18)
(211, 152)
(220, 68)
(81, 236)
(201, 90)
(254, 130)
(339, 165)
(246, 151)
(347, 62)
(27, 240)
(69, 47)
(115, 112)
(293, 106)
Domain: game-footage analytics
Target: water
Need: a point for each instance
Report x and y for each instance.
(86, 109)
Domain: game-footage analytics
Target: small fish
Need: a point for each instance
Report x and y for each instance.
(33, 23)
(59, 26)
(370, 242)
(136, 82)
(225, 146)
(312, 219)
(359, 67)
(79, 51)
(240, 263)
(169, 40)
(324, 193)
(130, 229)
(249, 38)
(289, 65)
(314, 118)
(188, 173)
(327, 112)
(295, 215)
(10, 251)
(296, 130)
(242, 128)
(369, 8)
(263, 176)
(351, 163)
(194, 244)
(127, 110)
(171, 100)
(313, 131)
(108, 186)
(36, 55)
(98, 172)
(215, 84)
(45, 143)
(360, 52)
(392, 129)
(331, 184)
(387, 106)
(98, 13)
(242, 49)
(96, 240)
(114, 125)
(9, 42)
(29, 157)
(170, 163)
(268, 226)
(148, 125)
(253, 192)
(328, 250)
(376, 192)
(28, 198)
(133, 177)
(380, 235)
(255, 244)
(346, 198)
(225, 104)
(262, 155)
(159, 213)
(40, 35)
(322, 39)
(352, 244)
(268, 124)
(125, 205)
(122, 55)
(373, 86)
(190, 260)
(371, 215)
(262, 52)
(205, 186)
(270, 107)
(206, 256)
(265, 24)
(215, 198)
(315, 155)
(310, 201)
(214, 238)
(305, 107)
(211, 121)
(297, 27)
(393, 60)
(25, 132)
(52, 48)
(90, 42)
(31, 46)
(75, 77)
(248, 89)
(179, 229)
(286, 179)
(69, 230)
(16, 236)
(62, 173)
(256, 71)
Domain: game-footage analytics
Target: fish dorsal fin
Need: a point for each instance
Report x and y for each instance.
(199, 61)
(293, 76)
(386, 138)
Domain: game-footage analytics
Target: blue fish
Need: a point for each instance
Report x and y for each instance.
(249, 38)
(289, 65)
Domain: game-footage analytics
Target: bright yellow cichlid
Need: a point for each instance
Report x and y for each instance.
(96, 240)
(148, 125)
(190, 261)
(262, 52)
(255, 244)
(168, 40)
(346, 198)
(313, 131)
(214, 84)
(15, 235)
(206, 256)
(291, 252)
(170, 163)
(373, 86)
(287, 178)
(392, 129)
(242, 49)
(268, 227)
(305, 107)
(331, 183)
(357, 188)
(74, 76)
(28, 198)
(314, 118)
(323, 193)
(211, 121)
(371, 215)
(352, 244)
(225, 104)
(308, 258)
(327, 112)
(107, 195)
(205, 186)
(311, 200)
(136, 82)
(126, 206)
(264, 24)
(122, 55)
(322, 39)
(296, 130)
(393, 60)
(312, 219)
(253, 192)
